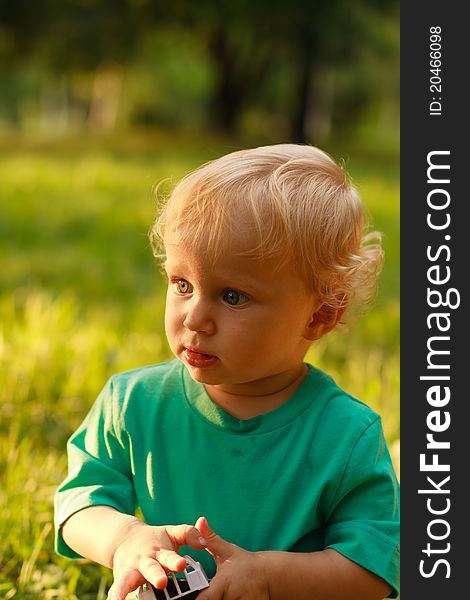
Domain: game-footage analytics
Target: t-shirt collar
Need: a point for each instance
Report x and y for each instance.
(205, 407)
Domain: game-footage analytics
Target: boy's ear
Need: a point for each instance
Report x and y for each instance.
(322, 322)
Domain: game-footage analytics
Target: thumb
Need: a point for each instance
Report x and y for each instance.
(217, 546)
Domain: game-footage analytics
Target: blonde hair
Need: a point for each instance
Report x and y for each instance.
(302, 208)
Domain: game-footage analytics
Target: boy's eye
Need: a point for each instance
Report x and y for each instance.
(183, 286)
(234, 298)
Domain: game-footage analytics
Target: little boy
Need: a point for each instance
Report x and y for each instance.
(264, 250)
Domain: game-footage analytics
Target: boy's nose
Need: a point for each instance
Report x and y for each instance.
(199, 318)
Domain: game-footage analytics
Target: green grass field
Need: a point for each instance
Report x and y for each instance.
(82, 298)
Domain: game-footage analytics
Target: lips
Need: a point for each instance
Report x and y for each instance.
(198, 359)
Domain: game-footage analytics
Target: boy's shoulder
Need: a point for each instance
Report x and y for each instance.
(148, 372)
(138, 396)
(160, 378)
(339, 406)
(346, 425)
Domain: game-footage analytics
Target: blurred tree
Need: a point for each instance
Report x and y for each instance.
(247, 43)
(71, 34)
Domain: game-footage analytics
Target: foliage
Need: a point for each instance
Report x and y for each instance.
(295, 65)
(81, 298)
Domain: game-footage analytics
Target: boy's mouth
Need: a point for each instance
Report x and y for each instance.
(198, 359)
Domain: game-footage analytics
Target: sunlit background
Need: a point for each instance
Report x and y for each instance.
(100, 100)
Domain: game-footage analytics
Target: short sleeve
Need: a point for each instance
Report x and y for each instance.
(99, 471)
(363, 524)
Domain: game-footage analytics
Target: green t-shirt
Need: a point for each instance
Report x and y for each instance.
(314, 473)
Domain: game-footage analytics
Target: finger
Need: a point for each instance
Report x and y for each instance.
(153, 571)
(217, 546)
(125, 583)
(170, 560)
(186, 535)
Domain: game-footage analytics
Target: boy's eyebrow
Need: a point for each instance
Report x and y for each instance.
(243, 280)
(167, 268)
(175, 266)
(167, 265)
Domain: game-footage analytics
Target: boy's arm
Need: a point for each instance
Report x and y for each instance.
(135, 551)
(95, 532)
(324, 575)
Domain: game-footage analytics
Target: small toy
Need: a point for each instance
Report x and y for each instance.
(188, 587)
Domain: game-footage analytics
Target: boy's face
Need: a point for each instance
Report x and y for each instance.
(236, 323)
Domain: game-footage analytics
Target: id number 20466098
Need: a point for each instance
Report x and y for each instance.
(435, 68)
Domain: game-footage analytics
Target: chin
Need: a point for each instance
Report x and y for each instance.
(202, 375)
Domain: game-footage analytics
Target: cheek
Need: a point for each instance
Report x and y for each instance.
(254, 333)
(281, 329)
(171, 319)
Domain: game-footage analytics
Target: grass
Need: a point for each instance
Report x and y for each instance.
(81, 298)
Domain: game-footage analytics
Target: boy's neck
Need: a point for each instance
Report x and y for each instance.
(243, 403)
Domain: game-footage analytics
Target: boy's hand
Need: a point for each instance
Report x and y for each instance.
(143, 553)
(240, 574)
